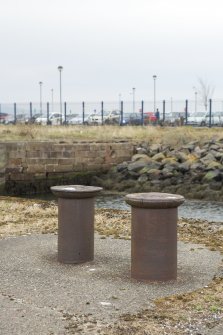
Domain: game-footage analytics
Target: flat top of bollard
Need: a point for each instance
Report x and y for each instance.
(75, 191)
(154, 200)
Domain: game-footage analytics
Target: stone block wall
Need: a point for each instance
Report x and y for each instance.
(32, 167)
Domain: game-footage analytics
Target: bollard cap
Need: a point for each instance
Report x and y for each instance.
(154, 200)
(75, 191)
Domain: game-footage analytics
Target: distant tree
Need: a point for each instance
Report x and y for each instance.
(205, 91)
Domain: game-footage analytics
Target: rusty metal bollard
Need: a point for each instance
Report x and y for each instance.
(75, 222)
(154, 235)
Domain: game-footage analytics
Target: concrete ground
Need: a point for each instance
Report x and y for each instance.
(41, 296)
(218, 330)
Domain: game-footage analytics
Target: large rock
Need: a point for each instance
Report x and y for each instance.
(150, 166)
(169, 161)
(159, 157)
(141, 157)
(214, 175)
(154, 148)
(198, 166)
(207, 159)
(142, 179)
(122, 166)
(215, 185)
(216, 146)
(154, 174)
(214, 165)
(184, 167)
(197, 177)
(214, 153)
(136, 166)
(167, 173)
(219, 156)
(141, 151)
(192, 158)
(190, 146)
(171, 166)
(181, 156)
(199, 152)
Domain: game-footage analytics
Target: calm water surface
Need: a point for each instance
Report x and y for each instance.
(205, 210)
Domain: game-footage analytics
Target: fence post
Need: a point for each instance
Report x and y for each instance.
(102, 112)
(186, 111)
(47, 113)
(31, 109)
(142, 113)
(14, 113)
(83, 111)
(210, 112)
(65, 113)
(164, 110)
(121, 113)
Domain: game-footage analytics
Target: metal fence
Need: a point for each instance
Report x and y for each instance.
(171, 112)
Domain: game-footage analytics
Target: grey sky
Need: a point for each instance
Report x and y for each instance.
(109, 46)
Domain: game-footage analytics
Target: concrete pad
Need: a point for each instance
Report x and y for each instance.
(38, 293)
(218, 330)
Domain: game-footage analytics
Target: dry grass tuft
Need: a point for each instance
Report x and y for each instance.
(171, 135)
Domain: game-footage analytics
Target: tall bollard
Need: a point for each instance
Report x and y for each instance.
(154, 235)
(75, 222)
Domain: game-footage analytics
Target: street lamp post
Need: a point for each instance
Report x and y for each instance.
(195, 102)
(133, 99)
(119, 101)
(40, 99)
(154, 92)
(52, 99)
(60, 68)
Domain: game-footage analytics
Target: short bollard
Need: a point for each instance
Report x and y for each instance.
(75, 222)
(154, 235)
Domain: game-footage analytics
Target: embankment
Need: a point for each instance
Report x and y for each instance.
(194, 170)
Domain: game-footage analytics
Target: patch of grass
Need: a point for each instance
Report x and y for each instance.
(172, 135)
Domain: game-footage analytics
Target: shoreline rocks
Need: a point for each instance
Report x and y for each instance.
(194, 170)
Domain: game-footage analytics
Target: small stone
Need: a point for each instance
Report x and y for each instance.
(105, 304)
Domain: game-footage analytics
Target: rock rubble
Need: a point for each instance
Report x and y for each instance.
(194, 170)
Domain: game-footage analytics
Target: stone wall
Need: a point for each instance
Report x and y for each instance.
(35, 166)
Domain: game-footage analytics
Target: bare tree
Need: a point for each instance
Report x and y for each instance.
(205, 91)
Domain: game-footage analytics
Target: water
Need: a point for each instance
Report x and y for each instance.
(195, 209)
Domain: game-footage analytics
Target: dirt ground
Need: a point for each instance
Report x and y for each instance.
(189, 313)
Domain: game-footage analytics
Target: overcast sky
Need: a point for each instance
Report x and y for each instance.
(107, 47)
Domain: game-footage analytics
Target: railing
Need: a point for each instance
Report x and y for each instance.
(169, 112)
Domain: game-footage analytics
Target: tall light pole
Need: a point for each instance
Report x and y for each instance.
(119, 101)
(133, 99)
(52, 98)
(40, 98)
(60, 68)
(195, 102)
(154, 92)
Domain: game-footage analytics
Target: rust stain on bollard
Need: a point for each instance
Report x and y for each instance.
(75, 222)
(154, 235)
